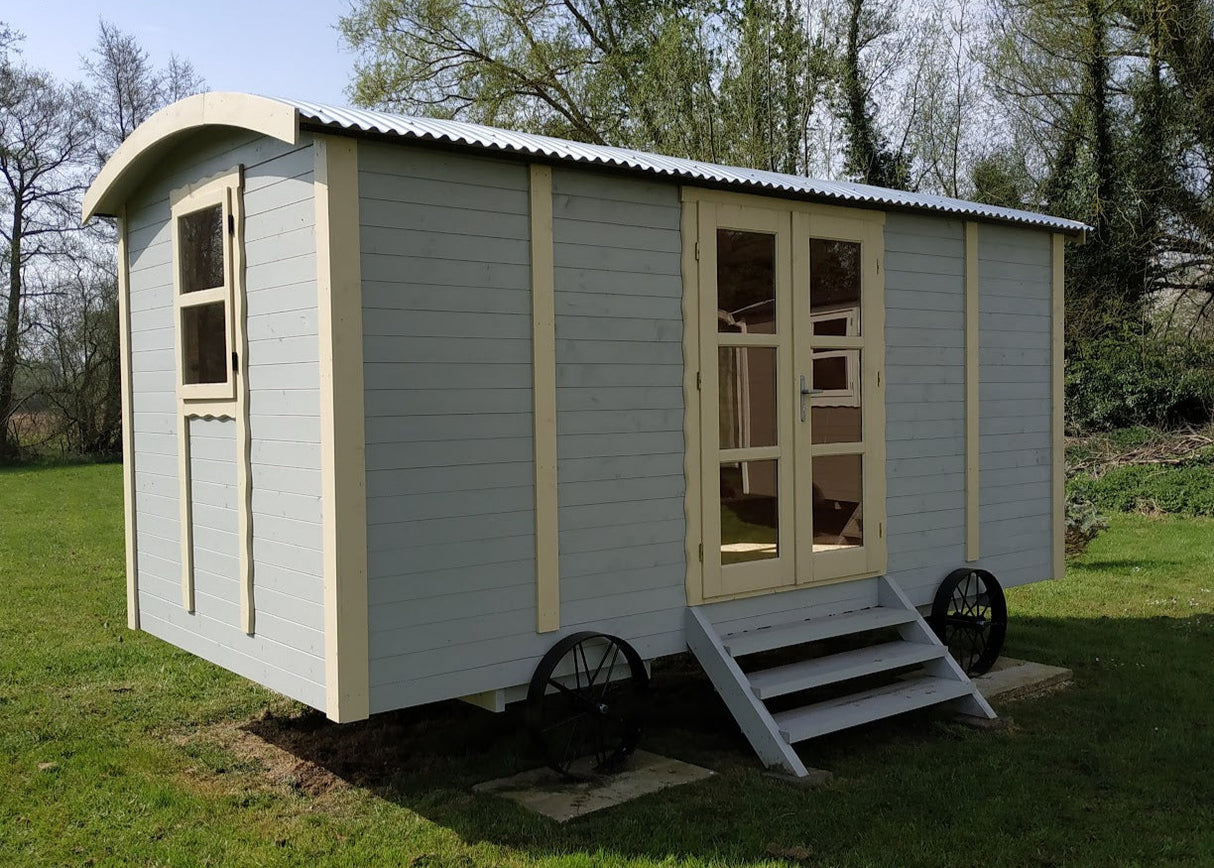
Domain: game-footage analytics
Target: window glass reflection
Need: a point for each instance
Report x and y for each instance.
(834, 287)
(747, 384)
(200, 236)
(746, 282)
(750, 511)
(838, 502)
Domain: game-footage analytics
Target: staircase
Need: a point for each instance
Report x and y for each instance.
(936, 680)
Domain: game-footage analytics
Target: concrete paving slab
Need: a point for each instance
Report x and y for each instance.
(547, 793)
(1010, 679)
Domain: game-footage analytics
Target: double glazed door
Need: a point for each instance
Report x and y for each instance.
(791, 415)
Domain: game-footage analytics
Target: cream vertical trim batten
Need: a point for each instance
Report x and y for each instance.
(972, 372)
(543, 386)
(693, 505)
(1057, 439)
(342, 434)
(227, 400)
(244, 439)
(128, 428)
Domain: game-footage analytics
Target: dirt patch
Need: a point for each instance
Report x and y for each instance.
(235, 747)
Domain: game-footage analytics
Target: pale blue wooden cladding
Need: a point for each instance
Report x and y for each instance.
(925, 401)
(451, 523)
(445, 257)
(287, 652)
(447, 322)
(1016, 506)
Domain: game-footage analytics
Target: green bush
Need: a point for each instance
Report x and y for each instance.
(1127, 381)
(1083, 523)
(1182, 489)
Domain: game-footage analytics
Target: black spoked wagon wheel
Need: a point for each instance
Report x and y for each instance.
(969, 615)
(586, 704)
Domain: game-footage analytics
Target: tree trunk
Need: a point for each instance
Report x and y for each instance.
(12, 324)
(110, 433)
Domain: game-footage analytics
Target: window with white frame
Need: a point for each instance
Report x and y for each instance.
(205, 218)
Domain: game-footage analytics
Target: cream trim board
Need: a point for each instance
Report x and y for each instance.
(215, 401)
(244, 445)
(692, 503)
(343, 437)
(972, 373)
(543, 386)
(1057, 422)
(794, 223)
(131, 535)
(223, 190)
(254, 113)
(725, 197)
(874, 408)
(185, 511)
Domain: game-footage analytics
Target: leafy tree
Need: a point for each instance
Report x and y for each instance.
(732, 82)
(870, 156)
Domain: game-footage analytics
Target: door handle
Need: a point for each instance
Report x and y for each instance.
(806, 392)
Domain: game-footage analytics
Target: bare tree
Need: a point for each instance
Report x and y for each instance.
(127, 88)
(44, 133)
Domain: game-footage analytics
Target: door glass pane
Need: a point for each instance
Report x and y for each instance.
(836, 402)
(746, 282)
(750, 511)
(204, 343)
(201, 237)
(834, 286)
(838, 502)
(748, 396)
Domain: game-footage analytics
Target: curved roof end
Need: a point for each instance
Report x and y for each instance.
(124, 169)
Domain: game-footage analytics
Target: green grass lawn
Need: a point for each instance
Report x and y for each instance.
(117, 749)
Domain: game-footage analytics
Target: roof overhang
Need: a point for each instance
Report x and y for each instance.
(135, 156)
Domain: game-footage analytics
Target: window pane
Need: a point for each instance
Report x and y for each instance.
(834, 286)
(748, 396)
(838, 502)
(750, 513)
(836, 404)
(201, 237)
(746, 282)
(204, 343)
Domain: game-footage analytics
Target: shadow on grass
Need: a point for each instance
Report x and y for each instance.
(1123, 564)
(1109, 770)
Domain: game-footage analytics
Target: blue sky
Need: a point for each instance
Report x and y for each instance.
(273, 47)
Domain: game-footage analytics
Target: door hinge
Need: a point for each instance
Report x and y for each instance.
(699, 381)
(701, 552)
(697, 251)
(235, 362)
(231, 224)
(880, 530)
(878, 379)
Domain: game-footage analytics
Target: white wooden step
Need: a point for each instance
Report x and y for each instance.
(798, 632)
(821, 671)
(811, 721)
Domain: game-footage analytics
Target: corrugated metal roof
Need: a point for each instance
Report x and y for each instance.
(686, 171)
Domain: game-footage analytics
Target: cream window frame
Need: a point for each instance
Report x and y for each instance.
(808, 221)
(226, 191)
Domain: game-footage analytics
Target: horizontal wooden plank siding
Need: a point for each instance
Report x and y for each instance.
(450, 457)
(1015, 407)
(286, 653)
(925, 472)
(445, 260)
(621, 537)
(925, 395)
